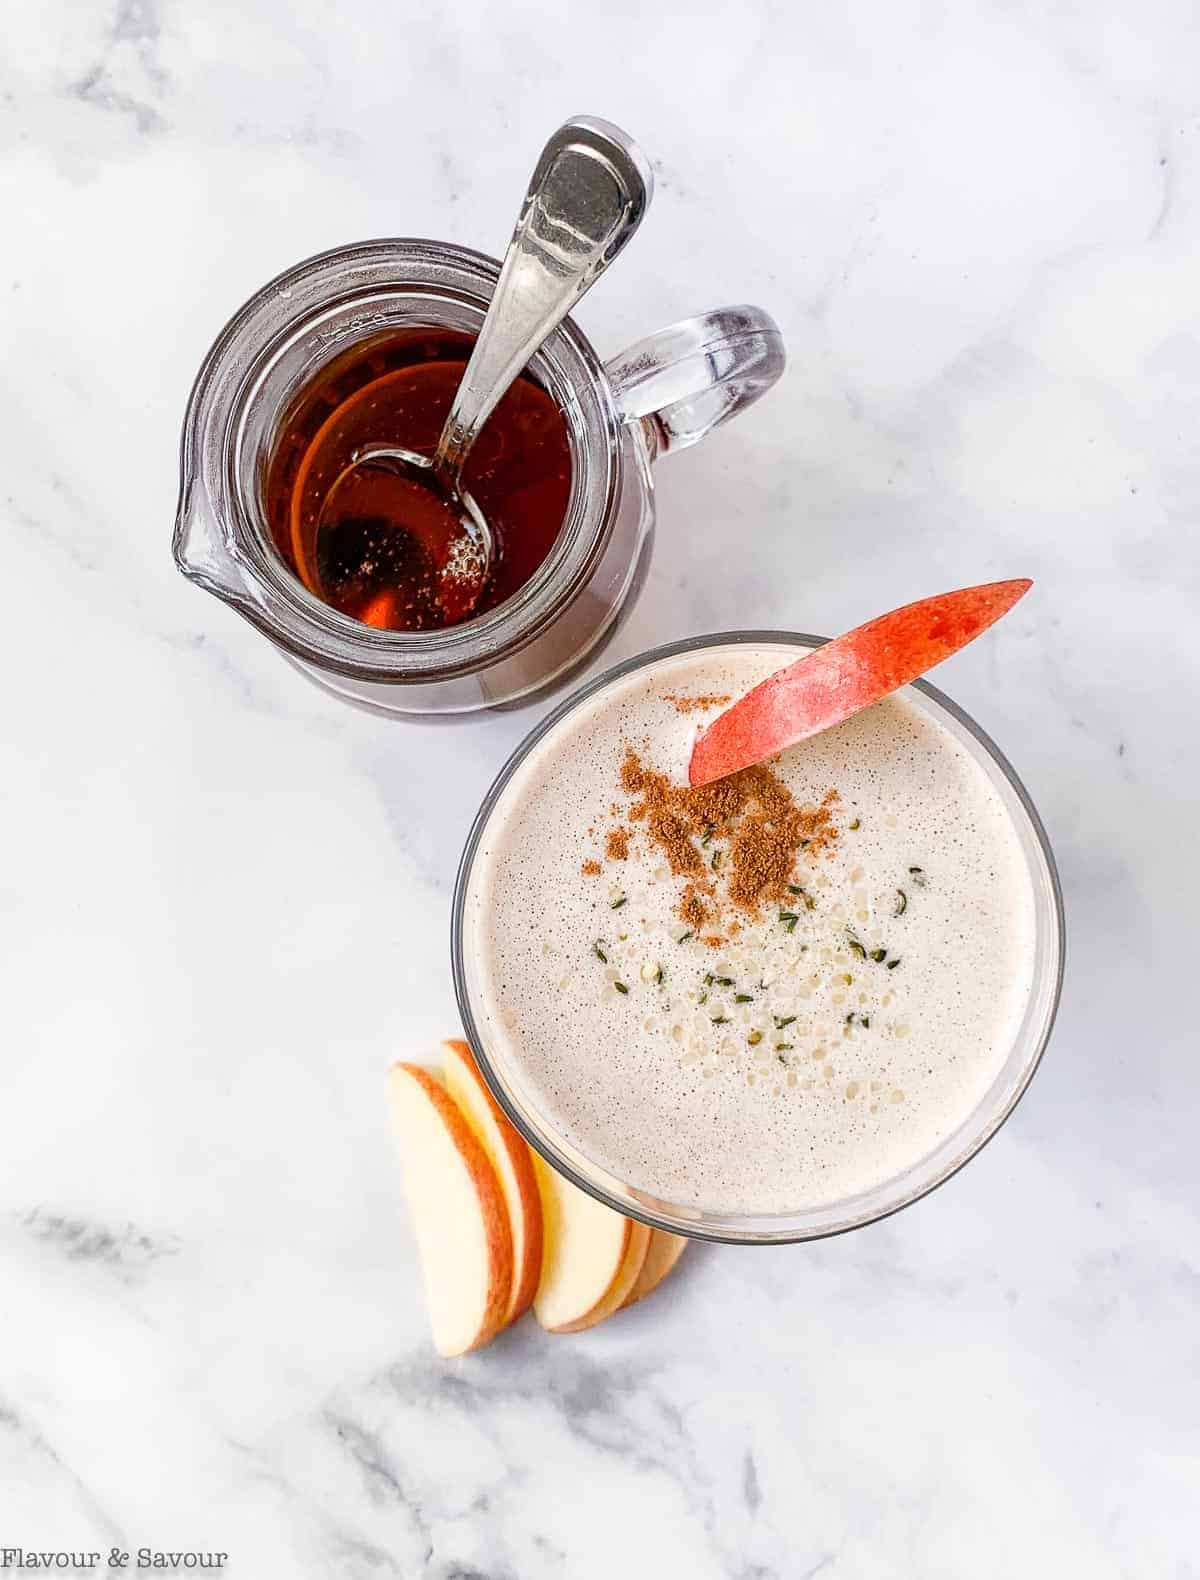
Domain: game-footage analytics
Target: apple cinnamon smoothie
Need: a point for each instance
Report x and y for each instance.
(761, 995)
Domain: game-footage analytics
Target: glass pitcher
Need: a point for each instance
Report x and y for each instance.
(662, 394)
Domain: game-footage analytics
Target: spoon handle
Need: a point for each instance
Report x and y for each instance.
(585, 199)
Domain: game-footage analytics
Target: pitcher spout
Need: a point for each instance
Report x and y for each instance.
(201, 551)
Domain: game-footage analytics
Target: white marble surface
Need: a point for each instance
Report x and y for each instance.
(223, 897)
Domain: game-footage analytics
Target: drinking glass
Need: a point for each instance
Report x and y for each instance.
(923, 1174)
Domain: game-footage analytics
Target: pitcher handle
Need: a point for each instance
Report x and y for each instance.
(694, 375)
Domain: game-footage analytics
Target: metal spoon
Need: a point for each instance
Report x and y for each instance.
(586, 197)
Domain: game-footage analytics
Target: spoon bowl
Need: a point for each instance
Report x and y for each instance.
(439, 532)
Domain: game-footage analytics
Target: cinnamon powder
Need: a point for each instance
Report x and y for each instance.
(692, 909)
(710, 699)
(736, 841)
(616, 846)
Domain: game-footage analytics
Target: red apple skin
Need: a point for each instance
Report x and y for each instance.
(497, 1234)
(846, 675)
(525, 1277)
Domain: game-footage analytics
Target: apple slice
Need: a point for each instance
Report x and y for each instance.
(662, 1254)
(458, 1213)
(591, 1255)
(845, 676)
(509, 1156)
(632, 1262)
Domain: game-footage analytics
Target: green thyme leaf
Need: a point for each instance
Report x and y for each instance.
(878, 955)
(685, 938)
(892, 964)
(720, 1020)
(783, 1020)
(856, 824)
(901, 903)
(620, 987)
(856, 945)
(743, 998)
(617, 904)
(598, 950)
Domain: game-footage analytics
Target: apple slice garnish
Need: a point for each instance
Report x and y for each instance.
(662, 1254)
(510, 1158)
(458, 1213)
(591, 1255)
(845, 676)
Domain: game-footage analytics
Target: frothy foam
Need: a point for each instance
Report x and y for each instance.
(795, 1065)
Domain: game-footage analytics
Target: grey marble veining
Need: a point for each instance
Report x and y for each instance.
(223, 896)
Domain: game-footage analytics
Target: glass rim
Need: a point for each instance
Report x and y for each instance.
(726, 1233)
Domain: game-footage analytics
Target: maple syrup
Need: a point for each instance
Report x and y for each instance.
(375, 545)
